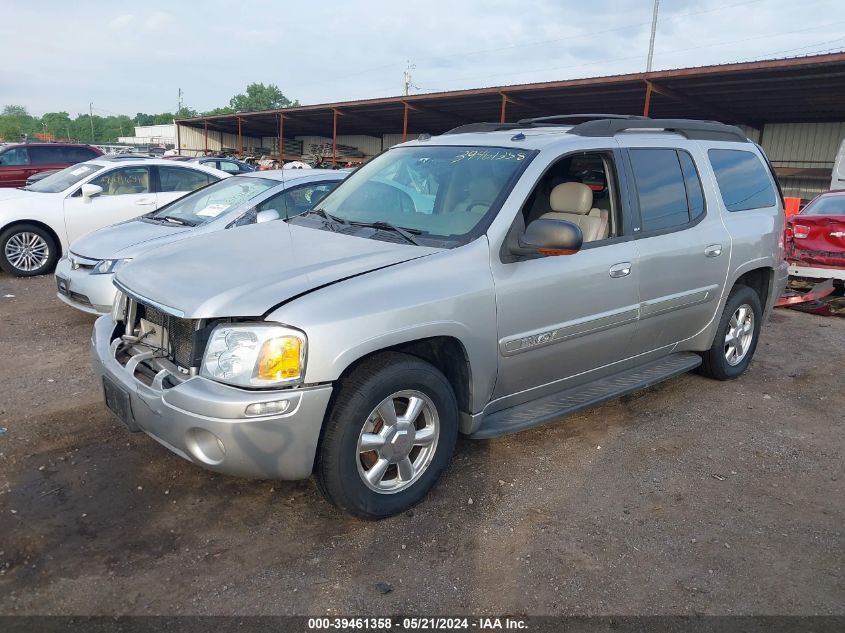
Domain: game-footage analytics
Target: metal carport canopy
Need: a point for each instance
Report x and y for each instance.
(801, 89)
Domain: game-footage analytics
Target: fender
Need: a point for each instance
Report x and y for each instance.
(414, 300)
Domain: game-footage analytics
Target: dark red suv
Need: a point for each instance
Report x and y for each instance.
(19, 161)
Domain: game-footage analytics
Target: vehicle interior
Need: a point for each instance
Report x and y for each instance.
(580, 188)
(124, 181)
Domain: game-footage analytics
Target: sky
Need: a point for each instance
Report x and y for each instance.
(134, 57)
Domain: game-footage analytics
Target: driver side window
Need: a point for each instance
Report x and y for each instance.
(126, 180)
(582, 189)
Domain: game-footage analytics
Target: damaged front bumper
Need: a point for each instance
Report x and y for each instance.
(204, 421)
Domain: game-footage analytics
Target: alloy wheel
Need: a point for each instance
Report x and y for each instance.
(27, 251)
(739, 334)
(398, 441)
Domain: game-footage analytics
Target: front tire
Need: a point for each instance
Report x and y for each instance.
(27, 250)
(389, 436)
(736, 339)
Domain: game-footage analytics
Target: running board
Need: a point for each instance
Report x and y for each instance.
(557, 405)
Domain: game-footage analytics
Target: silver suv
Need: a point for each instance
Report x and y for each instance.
(486, 281)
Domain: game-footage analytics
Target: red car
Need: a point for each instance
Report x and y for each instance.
(19, 161)
(816, 238)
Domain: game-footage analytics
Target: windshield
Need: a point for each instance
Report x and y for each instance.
(61, 180)
(441, 194)
(829, 205)
(207, 203)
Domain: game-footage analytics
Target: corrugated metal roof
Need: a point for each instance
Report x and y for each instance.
(795, 89)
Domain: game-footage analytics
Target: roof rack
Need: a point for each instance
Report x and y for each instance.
(568, 119)
(483, 127)
(561, 120)
(691, 129)
(611, 124)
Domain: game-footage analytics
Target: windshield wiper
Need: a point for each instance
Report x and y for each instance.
(408, 234)
(326, 215)
(330, 220)
(170, 218)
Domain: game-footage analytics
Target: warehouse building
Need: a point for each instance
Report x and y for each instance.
(795, 108)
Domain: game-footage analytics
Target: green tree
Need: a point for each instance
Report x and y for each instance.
(260, 97)
(186, 113)
(215, 111)
(143, 119)
(15, 121)
(15, 111)
(56, 123)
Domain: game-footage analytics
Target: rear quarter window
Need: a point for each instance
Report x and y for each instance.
(742, 179)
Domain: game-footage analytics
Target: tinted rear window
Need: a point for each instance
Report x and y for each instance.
(660, 188)
(743, 181)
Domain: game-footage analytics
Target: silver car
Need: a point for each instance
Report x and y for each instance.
(543, 267)
(84, 276)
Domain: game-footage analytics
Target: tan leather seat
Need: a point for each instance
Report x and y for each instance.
(573, 201)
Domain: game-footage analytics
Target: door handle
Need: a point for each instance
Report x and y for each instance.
(620, 270)
(714, 250)
(144, 202)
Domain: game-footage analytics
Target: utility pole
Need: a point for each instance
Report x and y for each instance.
(653, 32)
(407, 83)
(179, 107)
(91, 119)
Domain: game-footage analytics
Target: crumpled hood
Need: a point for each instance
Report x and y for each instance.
(127, 239)
(247, 271)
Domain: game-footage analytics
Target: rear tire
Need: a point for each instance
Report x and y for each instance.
(736, 337)
(27, 250)
(389, 436)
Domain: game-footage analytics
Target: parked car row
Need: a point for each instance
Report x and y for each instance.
(282, 324)
(39, 222)
(84, 277)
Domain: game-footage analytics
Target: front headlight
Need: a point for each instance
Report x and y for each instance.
(108, 266)
(255, 355)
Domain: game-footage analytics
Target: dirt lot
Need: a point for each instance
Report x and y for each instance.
(692, 497)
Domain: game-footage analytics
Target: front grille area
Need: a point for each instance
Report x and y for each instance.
(180, 334)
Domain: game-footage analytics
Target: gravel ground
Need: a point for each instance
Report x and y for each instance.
(692, 497)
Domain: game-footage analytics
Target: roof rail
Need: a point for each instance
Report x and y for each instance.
(569, 118)
(564, 120)
(483, 127)
(691, 129)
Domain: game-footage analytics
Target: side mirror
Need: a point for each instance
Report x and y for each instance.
(89, 191)
(267, 215)
(549, 237)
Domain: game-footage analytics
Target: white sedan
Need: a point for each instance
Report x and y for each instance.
(37, 223)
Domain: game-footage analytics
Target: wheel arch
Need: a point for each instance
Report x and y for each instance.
(40, 225)
(760, 280)
(447, 353)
